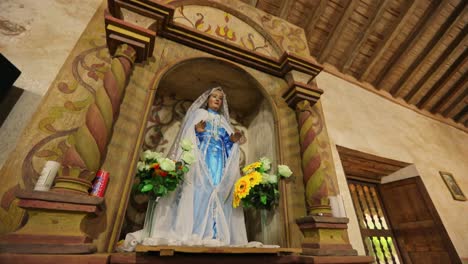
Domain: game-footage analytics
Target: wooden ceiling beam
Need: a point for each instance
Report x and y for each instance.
(461, 114)
(458, 86)
(464, 120)
(389, 35)
(411, 40)
(312, 21)
(251, 2)
(452, 21)
(285, 8)
(336, 31)
(449, 112)
(449, 73)
(353, 49)
(269, 6)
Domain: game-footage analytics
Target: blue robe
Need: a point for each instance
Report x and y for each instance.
(217, 149)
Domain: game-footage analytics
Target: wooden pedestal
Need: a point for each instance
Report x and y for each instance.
(325, 236)
(53, 224)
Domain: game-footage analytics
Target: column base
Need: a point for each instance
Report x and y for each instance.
(325, 236)
(320, 210)
(72, 185)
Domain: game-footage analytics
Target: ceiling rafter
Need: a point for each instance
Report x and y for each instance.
(436, 41)
(251, 2)
(450, 110)
(410, 41)
(285, 8)
(452, 70)
(464, 120)
(461, 114)
(414, 51)
(458, 86)
(270, 6)
(336, 32)
(353, 49)
(389, 35)
(312, 21)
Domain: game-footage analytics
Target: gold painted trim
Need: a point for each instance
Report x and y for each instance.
(127, 33)
(301, 90)
(289, 95)
(308, 92)
(309, 66)
(150, 7)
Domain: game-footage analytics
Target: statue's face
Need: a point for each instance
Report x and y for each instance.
(215, 101)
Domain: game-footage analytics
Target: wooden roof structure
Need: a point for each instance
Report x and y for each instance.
(412, 52)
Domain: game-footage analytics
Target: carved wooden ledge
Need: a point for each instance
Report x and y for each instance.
(301, 87)
(120, 32)
(53, 225)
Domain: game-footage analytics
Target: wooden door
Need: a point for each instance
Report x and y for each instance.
(416, 224)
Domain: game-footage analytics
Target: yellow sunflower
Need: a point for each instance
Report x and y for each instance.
(251, 167)
(236, 201)
(242, 187)
(254, 178)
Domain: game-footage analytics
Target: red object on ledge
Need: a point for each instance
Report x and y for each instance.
(100, 183)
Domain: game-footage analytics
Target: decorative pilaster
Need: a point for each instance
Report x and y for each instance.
(324, 235)
(301, 96)
(88, 145)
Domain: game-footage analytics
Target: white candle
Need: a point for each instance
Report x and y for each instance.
(334, 206)
(47, 176)
(341, 205)
(337, 207)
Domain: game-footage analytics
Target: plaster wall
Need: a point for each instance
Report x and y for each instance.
(37, 37)
(364, 121)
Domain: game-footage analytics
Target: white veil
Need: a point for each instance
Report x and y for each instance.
(186, 216)
(200, 103)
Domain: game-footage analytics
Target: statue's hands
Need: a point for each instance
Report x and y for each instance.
(200, 127)
(236, 136)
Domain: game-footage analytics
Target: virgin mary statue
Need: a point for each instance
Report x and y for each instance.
(200, 211)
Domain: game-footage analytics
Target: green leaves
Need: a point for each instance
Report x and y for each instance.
(157, 182)
(147, 188)
(160, 191)
(262, 196)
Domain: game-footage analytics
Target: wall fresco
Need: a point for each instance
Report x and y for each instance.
(225, 26)
(59, 115)
(284, 35)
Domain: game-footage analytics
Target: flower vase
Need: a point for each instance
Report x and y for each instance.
(269, 226)
(149, 217)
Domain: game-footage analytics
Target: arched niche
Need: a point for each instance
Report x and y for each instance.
(251, 112)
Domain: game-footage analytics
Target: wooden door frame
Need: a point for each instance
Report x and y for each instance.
(364, 167)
